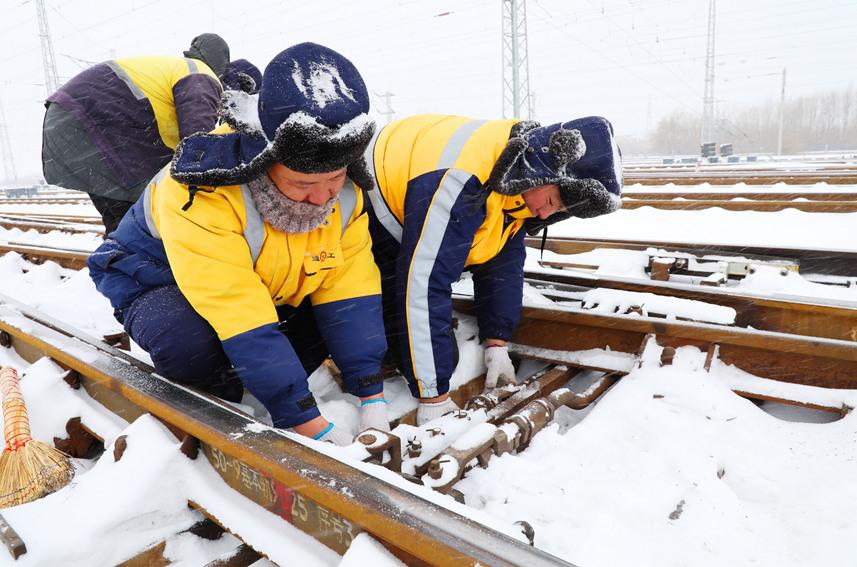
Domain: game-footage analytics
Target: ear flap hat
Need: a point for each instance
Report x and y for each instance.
(310, 114)
(581, 156)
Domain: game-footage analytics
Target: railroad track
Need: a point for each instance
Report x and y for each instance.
(281, 469)
(45, 226)
(349, 496)
(749, 177)
(83, 200)
(809, 202)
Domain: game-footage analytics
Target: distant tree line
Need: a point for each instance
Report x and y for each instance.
(823, 121)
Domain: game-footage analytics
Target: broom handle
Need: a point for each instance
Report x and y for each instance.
(16, 425)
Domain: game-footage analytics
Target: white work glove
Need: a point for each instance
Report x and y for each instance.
(500, 369)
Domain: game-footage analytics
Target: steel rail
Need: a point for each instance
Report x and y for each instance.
(792, 315)
(811, 260)
(813, 361)
(418, 531)
(47, 225)
(761, 206)
(757, 196)
(734, 177)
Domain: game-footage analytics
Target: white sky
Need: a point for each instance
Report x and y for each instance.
(628, 60)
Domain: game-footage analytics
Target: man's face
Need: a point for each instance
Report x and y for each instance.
(314, 188)
(543, 201)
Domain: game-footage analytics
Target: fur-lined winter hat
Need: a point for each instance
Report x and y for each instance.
(212, 50)
(581, 156)
(311, 115)
(241, 75)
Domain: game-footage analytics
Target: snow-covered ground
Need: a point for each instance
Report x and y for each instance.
(669, 468)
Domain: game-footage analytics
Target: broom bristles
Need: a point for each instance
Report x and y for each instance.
(29, 469)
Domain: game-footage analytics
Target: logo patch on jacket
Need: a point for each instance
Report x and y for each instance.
(322, 258)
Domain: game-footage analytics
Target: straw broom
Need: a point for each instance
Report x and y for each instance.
(29, 469)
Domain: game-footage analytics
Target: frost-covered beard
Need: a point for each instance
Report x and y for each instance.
(283, 213)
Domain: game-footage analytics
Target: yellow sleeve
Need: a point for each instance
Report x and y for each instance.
(210, 259)
(358, 276)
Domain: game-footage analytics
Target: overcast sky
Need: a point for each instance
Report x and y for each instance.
(628, 60)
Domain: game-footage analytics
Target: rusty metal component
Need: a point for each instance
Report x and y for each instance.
(119, 447)
(384, 448)
(517, 430)
(79, 442)
(415, 448)
(667, 355)
(659, 268)
(11, 540)
(119, 340)
(244, 557)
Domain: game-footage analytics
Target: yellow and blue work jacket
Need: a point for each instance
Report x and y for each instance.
(137, 109)
(234, 268)
(433, 218)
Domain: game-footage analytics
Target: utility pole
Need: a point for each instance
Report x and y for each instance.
(708, 133)
(515, 63)
(6, 148)
(782, 114)
(49, 62)
(388, 108)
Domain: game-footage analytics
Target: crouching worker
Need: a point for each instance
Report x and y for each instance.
(251, 259)
(459, 194)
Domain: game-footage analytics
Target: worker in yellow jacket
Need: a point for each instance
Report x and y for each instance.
(457, 194)
(112, 127)
(250, 258)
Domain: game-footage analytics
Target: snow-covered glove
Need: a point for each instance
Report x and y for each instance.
(500, 368)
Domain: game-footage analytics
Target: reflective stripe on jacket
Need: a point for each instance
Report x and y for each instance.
(137, 109)
(432, 201)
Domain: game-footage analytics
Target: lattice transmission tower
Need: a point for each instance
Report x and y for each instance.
(709, 130)
(49, 62)
(517, 102)
(6, 149)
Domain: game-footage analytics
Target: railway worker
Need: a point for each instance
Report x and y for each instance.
(251, 255)
(459, 194)
(112, 127)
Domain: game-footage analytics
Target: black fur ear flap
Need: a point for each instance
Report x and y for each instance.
(504, 163)
(360, 174)
(567, 146)
(587, 198)
(520, 129)
(246, 83)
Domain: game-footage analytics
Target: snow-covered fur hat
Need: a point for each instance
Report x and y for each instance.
(310, 114)
(241, 75)
(581, 156)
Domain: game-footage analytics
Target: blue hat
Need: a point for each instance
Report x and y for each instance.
(310, 114)
(581, 156)
(241, 75)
